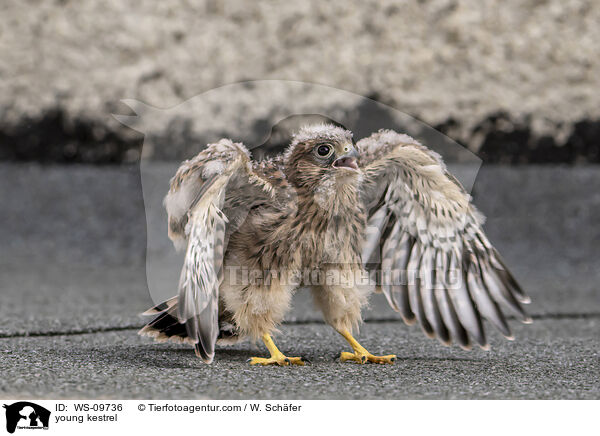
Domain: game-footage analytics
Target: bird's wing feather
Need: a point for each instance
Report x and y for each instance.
(209, 196)
(438, 267)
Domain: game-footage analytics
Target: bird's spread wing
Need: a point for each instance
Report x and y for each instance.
(209, 197)
(437, 265)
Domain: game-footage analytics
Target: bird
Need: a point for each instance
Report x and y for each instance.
(343, 218)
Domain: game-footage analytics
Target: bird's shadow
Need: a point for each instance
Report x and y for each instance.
(173, 357)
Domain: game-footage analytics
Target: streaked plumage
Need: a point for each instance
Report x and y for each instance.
(384, 204)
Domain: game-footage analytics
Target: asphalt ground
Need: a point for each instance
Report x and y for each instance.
(73, 281)
(552, 358)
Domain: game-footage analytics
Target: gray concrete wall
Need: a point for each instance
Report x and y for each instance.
(512, 77)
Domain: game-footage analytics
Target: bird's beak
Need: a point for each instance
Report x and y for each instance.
(347, 160)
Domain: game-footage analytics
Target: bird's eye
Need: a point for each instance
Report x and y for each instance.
(324, 150)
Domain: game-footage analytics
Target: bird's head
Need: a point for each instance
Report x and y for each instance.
(322, 155)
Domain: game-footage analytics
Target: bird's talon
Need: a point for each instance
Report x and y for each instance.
(362, 358)
(276, 360)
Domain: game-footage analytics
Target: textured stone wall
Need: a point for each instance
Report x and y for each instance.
(514, 80)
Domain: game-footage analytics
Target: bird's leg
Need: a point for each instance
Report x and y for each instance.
(277, 357)
(361, 355)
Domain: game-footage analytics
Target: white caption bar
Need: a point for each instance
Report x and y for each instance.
(76, 417)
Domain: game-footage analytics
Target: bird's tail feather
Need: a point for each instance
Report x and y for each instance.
(166, 327)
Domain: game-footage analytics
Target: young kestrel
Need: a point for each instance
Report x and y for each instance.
(321, 215)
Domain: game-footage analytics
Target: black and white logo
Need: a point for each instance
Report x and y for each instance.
(26, 415)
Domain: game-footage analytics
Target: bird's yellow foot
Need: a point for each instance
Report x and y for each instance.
(277, 360)
(277, 357)
(361, 355)
(364, 357)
